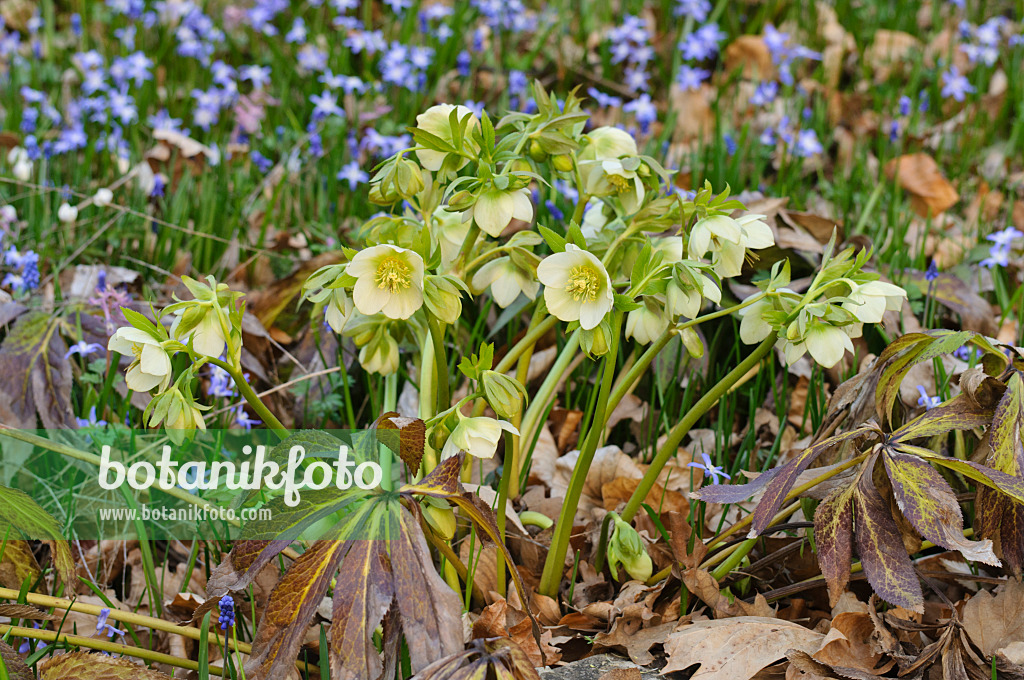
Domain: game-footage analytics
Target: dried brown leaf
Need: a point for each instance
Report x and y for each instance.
(737, 648)
(919, 175)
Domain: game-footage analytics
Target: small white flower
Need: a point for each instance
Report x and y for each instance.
(608, 142)
(729, 239)
(476, 436)
(21, 165)
(151, 367)
(67, 213)
(869, 301)
(507, 281)
(576, 287)
(102, 197)
(435, 120)
(495, 209)
(647, 323)
(389, 279)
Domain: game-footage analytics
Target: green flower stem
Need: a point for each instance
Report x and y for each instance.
(551, 579)
(626, 381)
(676, 434)
(535, 411)
(386, 457)
(507, 478)
(525, 343)
(581, 204)
(252, 398)
(467, 247)
(440, 364)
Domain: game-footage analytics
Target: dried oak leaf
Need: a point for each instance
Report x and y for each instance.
(703, 585)
(919, 175)
(627, 635)
(737, 648)
(501, 620)
(89, 666)
(996, 622)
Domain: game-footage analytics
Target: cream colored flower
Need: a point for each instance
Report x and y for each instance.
(152, 365)
(339, 310)
(507, 281)
(576, 286)
(647, 323)
(753, 327)
(826, 344)
(729, 239)
(608, 142)
(617, 177)
(21, 165)
(869, 301)
(495, 209)
(476, 436)
(435, 120)
(687, 300)
(389, 279)
(380, 355)
(207, 337)
(450, 231)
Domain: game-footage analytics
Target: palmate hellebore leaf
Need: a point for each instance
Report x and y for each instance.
(880, 547)
(998, 517)
(376, 561)
(777, 482)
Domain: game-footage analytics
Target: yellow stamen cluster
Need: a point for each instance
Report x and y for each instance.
(583, 282)
(619, 183)
(393, 275)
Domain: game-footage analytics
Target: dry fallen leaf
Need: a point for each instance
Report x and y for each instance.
(996, 622)
(919, 175)
(736, 649)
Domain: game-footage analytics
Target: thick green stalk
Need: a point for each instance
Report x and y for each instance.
(440, 364)
(535, 411)
(551, 579)
(244, 389)
(676, 434)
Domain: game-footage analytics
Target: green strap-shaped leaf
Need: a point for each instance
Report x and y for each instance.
(880, 547)
(930, 505)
